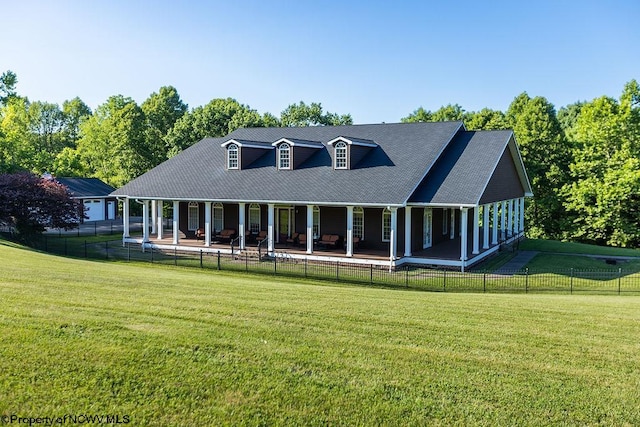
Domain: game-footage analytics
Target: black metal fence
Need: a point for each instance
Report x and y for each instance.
(611, 281)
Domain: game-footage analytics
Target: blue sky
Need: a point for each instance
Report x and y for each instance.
(377, 60)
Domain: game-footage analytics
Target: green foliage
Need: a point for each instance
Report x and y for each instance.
(311, 115)
(8, 82)
(162, 110)
(182, 347)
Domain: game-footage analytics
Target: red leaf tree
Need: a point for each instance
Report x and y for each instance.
(30, 204)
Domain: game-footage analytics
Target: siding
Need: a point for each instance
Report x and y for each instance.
(504, 183)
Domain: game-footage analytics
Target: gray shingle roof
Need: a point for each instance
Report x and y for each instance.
(388, 174)
(86, 187)
(464, 169)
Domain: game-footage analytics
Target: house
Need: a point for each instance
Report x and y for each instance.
(389, 194)
(95, 195)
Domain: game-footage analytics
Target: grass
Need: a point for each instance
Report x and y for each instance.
(178, 346)
(555, 246)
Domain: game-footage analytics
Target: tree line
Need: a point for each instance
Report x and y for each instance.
(582, 160)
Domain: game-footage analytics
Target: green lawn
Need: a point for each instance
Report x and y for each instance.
(178, 346)
(576, 248)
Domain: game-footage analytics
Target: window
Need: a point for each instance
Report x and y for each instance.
(358, 223)
(386, 225)
(452, 227)
(341, 155)
(284, 156)
(194, 216)
(316, 222)
(232, 156)
(445, 216)
(254, 218)
(426, 228)
(218, 217)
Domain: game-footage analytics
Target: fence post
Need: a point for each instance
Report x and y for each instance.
(219, 260)
(275, 264)
(106, 251)
(619, 279)
(95, 228)
(484, 282)
(526, 280)
(65, 246)
(246, 262)
(78, 231)
(200, 258)
(305, 268)
(406, 276)
(571, 282)
(337, 271)
(128, 251)
(371, 274)
(151, 254)
(175, 256)
(444, 280)
(111, 228)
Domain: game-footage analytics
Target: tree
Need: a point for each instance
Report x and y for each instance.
(419, 115)
(311, 115)
(74, 112)
(218, 118)
(111, 146)
(8, 81)
(486, 119)
(162, 110)
(30, 203)
(546, 157)
(17, 149)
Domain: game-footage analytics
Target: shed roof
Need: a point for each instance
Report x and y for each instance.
(86, 187)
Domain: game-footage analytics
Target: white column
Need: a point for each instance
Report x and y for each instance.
(510, 219)
(503, 220)
(463, 234)
(145, 221)
(495, 224)
(349, 231)
(125, 218)
(241, 228)
(207, 223)
(522, 214)
(393, 239)
(154, 216)
(407, 230)
(476, 230)
(516, 217)
(485, 226)
(176, 222)
(159, 218)
(309, 229)
(270, 230)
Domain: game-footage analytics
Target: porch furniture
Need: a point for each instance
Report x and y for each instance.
(248, 237)
(356, 242)
(200, 234)
(226, 235)
(302, 239)
(330, 241)
(293, 239)
(261, 236)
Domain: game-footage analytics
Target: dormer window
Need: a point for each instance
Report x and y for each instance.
(284, 156)
(341, 155)
(347, 152)
(232, 156)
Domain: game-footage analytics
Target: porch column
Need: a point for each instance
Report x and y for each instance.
(407, 230)
(207, 223)
(241, 233)
(270, 234)
(485, 226)
(516, 217)
(349, 231)
(463, 234)
(495, 224)
(159, 218)
(476, 230)
(522, 214)
(510, 219)
(154, 216)
(393, 240)
(309, 229)
(125, 218)
(176, 222)
(145, 221)
(503, 217)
